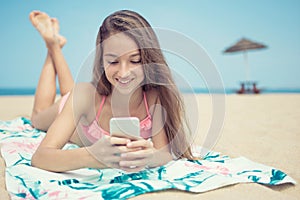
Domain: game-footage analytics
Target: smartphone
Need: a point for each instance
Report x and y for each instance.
(126, 127)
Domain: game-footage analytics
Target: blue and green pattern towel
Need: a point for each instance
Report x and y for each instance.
(19, 140)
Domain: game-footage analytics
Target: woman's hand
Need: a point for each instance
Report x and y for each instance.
(139, 157)
(107, 150)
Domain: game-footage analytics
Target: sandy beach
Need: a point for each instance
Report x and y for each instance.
(264, 128)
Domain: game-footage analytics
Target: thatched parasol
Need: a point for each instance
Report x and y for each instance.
(245, 45)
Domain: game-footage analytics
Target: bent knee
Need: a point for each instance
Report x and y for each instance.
(35, 121)
(40, 120)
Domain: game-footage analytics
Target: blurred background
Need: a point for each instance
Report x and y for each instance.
(214, 25)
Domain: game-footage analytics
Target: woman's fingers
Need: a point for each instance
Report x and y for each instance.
(124, 149)
(118, 141)
(133, 169)
(146, 153)
(134, 163)
(122, 153)
(111, 159)
(136, 160)
(140, 143)
(121, 143)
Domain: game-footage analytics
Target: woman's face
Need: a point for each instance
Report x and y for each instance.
(122, 63)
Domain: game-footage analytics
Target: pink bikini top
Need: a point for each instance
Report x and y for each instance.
(94, 132)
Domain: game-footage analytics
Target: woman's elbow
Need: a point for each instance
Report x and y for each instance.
(35, 160)
(41, 120)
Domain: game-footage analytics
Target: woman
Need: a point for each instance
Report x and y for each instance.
(130, 79)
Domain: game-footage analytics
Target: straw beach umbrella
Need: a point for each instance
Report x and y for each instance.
(244, 45)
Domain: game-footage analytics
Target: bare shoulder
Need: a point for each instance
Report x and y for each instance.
(84, 95)
(85, 86)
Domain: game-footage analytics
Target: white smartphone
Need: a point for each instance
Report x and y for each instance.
(126, 127)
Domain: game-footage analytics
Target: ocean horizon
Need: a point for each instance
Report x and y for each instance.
(31, 91)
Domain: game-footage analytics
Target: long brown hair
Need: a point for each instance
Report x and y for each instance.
(156, 70)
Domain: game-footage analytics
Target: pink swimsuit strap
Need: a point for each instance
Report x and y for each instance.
(94, 131)
(100, 107)
(103, 101)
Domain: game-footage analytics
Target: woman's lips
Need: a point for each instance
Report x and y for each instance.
(124, 82)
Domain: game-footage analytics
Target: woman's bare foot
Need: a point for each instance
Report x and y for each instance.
(62, 40)
(47, 27)
(42, 22)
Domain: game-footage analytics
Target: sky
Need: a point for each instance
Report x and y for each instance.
(213, 25)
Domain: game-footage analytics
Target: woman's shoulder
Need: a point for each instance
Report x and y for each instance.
(84, 96)
(83, 90)
(85, 87)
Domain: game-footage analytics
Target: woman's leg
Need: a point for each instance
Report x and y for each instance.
(45, 109)
(65, 79)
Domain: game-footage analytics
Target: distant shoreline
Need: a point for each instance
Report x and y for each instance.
(31, 91)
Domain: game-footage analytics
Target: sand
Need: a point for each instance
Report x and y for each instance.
(264, 128)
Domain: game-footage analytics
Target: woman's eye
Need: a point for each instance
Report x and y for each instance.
(112, 62)
(136, 61)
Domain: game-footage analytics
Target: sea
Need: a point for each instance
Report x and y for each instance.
(31, 91)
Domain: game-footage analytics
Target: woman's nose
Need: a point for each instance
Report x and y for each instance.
(123, 70)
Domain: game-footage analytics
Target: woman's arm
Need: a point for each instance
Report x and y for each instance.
(103, 154)
(160, 141)
(49, 155)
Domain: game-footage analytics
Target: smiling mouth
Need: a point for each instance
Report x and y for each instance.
(124, 82)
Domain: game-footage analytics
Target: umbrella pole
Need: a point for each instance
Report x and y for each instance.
(247, 70)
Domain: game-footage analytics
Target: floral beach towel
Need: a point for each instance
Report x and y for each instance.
(19, 140)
